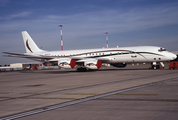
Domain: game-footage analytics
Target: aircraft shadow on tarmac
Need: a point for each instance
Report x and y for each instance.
(74, 70)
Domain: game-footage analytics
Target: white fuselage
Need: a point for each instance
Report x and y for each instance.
(115, 55)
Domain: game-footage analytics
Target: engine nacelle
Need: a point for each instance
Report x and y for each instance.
(92, 64)
(121, 65)
(67, 63)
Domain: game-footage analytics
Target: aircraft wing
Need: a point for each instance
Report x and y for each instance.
(29, 56)
(51, 58)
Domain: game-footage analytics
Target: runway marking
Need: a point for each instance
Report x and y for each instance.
(39, 98)
(9, 97)
(54, 98)
(36, 93)
(79, 94)
(36, 85)
(139, 94)
(127, 99)
(65, 104)
(5, 93)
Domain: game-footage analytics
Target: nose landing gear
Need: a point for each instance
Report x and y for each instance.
(156, 65)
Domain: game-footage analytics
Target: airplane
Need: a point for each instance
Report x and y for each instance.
(85, 59)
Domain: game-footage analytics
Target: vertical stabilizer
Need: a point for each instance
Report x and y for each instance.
(30, 45)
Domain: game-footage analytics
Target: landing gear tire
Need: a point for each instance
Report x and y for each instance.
(155, 67)
(172, 68)
(81, 69)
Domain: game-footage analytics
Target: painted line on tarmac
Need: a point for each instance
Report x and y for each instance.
(140, 94)
(61, 105)
(125, 99)
(36, 93)
(80, 94)
(40, 98)
(4, 93)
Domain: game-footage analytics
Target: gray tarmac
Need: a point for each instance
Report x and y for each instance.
(22, 91)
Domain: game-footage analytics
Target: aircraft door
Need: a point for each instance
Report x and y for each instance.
(133, 56)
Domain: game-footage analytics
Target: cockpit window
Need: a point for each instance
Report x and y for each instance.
(162, 49)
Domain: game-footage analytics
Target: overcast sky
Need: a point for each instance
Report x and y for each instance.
(128, 22)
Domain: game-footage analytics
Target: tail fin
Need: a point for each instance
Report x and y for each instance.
(30, 45)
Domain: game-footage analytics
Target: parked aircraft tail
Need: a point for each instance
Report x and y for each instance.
(30, 45)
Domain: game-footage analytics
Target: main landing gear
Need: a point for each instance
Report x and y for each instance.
(81, 69)
(156, 65)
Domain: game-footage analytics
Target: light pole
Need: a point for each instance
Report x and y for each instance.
(61, 37)
(107, 39)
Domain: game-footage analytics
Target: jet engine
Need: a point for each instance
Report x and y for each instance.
(119, 65)
(92, 64)
(67, 63)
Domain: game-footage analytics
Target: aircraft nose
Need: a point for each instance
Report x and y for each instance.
(174, 56)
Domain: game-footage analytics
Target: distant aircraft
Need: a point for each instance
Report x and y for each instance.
(93, 58)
